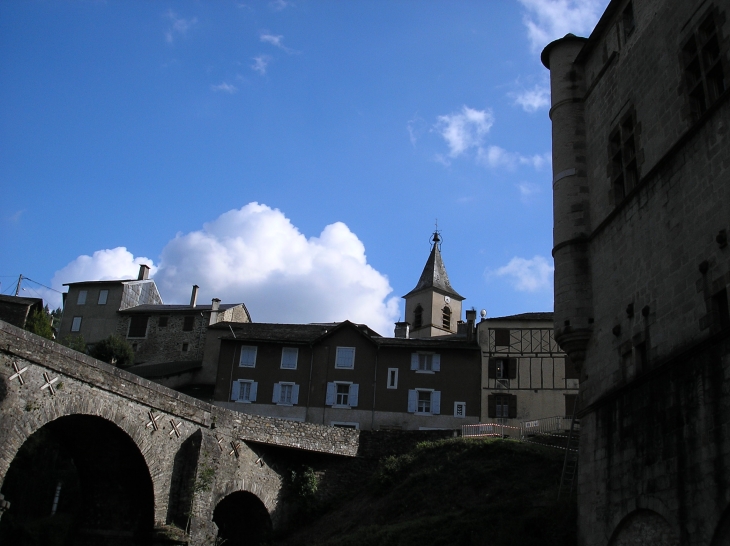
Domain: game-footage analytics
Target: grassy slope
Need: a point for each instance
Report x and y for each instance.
(464, 492)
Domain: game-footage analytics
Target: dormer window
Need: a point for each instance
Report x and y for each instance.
(447, 317)
(418, 317)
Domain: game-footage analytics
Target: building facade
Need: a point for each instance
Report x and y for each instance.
(345, 374)
(641, 184)
(525, 374)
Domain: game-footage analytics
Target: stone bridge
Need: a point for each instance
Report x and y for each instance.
(127, 461)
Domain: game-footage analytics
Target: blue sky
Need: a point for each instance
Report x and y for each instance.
(293, 155)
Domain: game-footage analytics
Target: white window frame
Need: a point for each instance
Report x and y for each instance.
(461, 405)
(252, 390)
(392, 378)
(430, 401)
(81, 299)
(345, 424)
(290, 351)
(279, 390)
(247, 349)
(76, 324)
(434, 402)
(425, 362)
(353, 394)
(344, 360)
(103, 297)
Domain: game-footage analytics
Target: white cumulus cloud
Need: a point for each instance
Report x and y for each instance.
(180, 26)
(465, 129)
(528, 275)
(547, 20)
(255, 255)
(225, 88)
(260, 63)
(532, 100)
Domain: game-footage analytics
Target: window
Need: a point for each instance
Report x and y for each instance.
(417, 317)
(345, 357)
(502, 406)
(248, 357)
(162, 322)
(138, 326)
(289, 357)
(392, 378)
(188, 323)
(446, 317)
(345, 424)
(342, 394)
(623, 162)
(76, 324)
(425, 362)
(501, 337)
(286, 394)
(703, 69)
(103, 295)
(244, 390)
(459, 409)
(185, 347)
(502, 368)
(81, 300)
(425, 401)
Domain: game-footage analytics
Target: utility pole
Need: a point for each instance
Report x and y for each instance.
(17, 286)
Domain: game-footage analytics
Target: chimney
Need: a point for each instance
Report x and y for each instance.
(144, 272)
(214, 311)
(402, 330)
(471, 318)
(194, 296)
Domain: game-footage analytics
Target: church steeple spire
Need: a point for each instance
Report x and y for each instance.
(433, 307)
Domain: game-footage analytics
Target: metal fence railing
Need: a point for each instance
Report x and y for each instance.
(546, 425)
(495, 429)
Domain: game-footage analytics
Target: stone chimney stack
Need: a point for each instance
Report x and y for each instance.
(471, 318)
(402, 330)
(214, 310)
(194, 296)
(144, 272)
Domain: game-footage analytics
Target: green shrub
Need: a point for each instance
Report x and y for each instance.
(113, 350)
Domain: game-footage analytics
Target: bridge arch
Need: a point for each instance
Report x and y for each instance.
(242, 519)
(78, 476)
(644, 526)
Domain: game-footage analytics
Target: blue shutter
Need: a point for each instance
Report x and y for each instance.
(352, 396)
(277, 393)
(295, 394)
(436, 402)
(330, 398)
(414, 361)
(436, 363)
(412, 401)
(252, 392)
(235, 390)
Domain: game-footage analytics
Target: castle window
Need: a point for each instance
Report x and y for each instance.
(703, 68)
(185, 347)
(162, 322)
(447, 317)
(418, 317)
(188, 323)
(138, 326)
(622, 150)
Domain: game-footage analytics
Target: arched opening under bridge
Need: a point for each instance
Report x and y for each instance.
(242, 520)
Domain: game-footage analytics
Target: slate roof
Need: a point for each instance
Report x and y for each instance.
(165, 369)
(434, 275)
(164, 309)
(547, 315)
(288, 333)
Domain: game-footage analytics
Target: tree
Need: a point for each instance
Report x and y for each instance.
(39, 323)
(76, 343)
(113, 350)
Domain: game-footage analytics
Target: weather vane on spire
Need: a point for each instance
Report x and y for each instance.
(436, 238)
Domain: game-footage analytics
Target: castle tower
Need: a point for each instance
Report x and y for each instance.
(433, 307)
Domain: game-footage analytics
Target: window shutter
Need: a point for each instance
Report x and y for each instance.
(295, 394)
(252, 392)
(412, 400)
(491, 406)
(436, 363)
(330, 398)
(235, 390)
(414, 361)
(436, 402)
(511, 368)
(277, 393)
(354, 390)
(492, 373)
(512, 406)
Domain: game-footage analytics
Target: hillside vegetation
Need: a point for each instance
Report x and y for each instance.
(456, 491)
